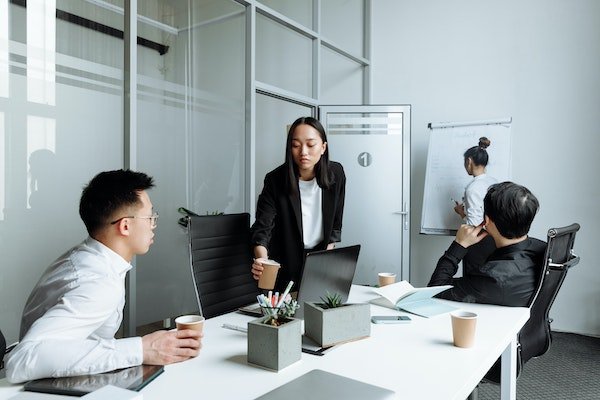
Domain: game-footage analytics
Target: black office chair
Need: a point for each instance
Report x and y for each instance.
(535, 337)
(220, 259)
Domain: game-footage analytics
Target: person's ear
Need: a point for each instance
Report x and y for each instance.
(124, 226)
(486, 220)
(324, 148)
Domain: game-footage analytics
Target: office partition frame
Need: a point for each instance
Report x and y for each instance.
(253, 88)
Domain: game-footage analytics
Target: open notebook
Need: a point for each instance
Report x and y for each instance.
(403, 296)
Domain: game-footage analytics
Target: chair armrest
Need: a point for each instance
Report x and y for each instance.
(571, 263)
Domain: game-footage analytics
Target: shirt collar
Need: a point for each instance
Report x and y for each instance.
(120, 265)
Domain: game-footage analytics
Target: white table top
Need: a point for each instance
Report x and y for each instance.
(416, 360)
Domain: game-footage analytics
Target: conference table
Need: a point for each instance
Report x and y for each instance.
(416, 360)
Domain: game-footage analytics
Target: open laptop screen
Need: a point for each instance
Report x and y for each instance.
(327, 271)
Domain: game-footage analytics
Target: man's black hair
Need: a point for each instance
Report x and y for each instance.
(512, 207)
(107, 193)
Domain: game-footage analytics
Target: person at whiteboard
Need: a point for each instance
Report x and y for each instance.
(501, 263)
(301, 205)
(476, 159)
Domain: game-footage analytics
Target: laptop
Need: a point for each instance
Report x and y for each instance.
(327, 271)
(323, 385)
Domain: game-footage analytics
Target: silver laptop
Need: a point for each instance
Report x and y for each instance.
(323, 385)
(327, 271)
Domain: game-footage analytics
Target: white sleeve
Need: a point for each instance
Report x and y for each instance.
(67, 340)
(473, 207)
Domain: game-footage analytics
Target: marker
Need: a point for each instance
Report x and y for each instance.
(285, 293)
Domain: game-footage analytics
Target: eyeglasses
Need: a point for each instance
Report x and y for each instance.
(153, 219)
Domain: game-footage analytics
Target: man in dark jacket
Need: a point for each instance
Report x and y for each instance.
(501, 263)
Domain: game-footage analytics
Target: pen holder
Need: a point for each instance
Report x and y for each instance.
(274, 346)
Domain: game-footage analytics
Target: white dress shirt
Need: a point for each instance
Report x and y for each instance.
(71, 317)
(474, 194)
(311, 197)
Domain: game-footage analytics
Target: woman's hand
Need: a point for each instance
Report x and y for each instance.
(257, 268)
(459, 208)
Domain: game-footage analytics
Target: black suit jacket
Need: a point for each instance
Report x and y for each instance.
(278, 225)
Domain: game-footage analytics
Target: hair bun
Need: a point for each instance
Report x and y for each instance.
(484, 142)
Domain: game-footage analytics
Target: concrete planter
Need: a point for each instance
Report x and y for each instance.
(329, 326)
(274, 347)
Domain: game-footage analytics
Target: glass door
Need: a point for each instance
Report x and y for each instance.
(373, 145)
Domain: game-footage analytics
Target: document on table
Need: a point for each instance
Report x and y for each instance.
(403, 296)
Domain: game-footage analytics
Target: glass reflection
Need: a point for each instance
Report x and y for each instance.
(3, 49)
(41, 45)
(41, 149)
(2, 167)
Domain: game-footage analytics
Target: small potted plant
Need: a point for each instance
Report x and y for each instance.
(275, 340)
(332, 322)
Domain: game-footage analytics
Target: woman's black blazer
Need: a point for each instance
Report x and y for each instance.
(278, 224)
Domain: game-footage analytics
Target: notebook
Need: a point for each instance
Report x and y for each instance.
(132, 378)
(403, 296)
(323, 385)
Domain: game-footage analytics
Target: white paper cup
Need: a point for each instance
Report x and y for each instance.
(463, 328)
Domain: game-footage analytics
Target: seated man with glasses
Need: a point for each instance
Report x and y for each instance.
(74, 311)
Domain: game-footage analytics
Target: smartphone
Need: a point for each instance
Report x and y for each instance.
(390, 319)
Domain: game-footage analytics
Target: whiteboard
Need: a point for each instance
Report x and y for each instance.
(445, 176)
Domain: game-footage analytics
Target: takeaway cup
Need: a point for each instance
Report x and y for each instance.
(463, 328)
(386, 278)
(195, 322)
(269, 274)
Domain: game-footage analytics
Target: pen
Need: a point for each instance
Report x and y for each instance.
(234, 327)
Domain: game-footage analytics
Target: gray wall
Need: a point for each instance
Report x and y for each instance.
(537, 61)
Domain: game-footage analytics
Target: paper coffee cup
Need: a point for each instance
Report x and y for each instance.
(269, 274)
(386, 278)
(463, 328)
(195, 322)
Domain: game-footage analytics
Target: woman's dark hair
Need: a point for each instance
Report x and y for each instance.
(322, 173)
(512, 207)
(479, 153)
(109, 192)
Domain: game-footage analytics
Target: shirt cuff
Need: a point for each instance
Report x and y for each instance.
(457, 251)
(131, 349)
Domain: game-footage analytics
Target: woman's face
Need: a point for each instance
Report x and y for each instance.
(307, 148)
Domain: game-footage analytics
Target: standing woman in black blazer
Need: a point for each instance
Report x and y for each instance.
(301, 205)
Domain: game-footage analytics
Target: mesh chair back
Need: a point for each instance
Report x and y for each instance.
(221, 258)
(535, 337)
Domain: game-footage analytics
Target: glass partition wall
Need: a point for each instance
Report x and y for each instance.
(191, 135)
(217, 84)
(61, 117)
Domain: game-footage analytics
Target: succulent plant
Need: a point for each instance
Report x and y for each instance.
(332, 300)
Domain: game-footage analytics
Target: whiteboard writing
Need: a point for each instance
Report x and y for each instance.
(445, 175)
